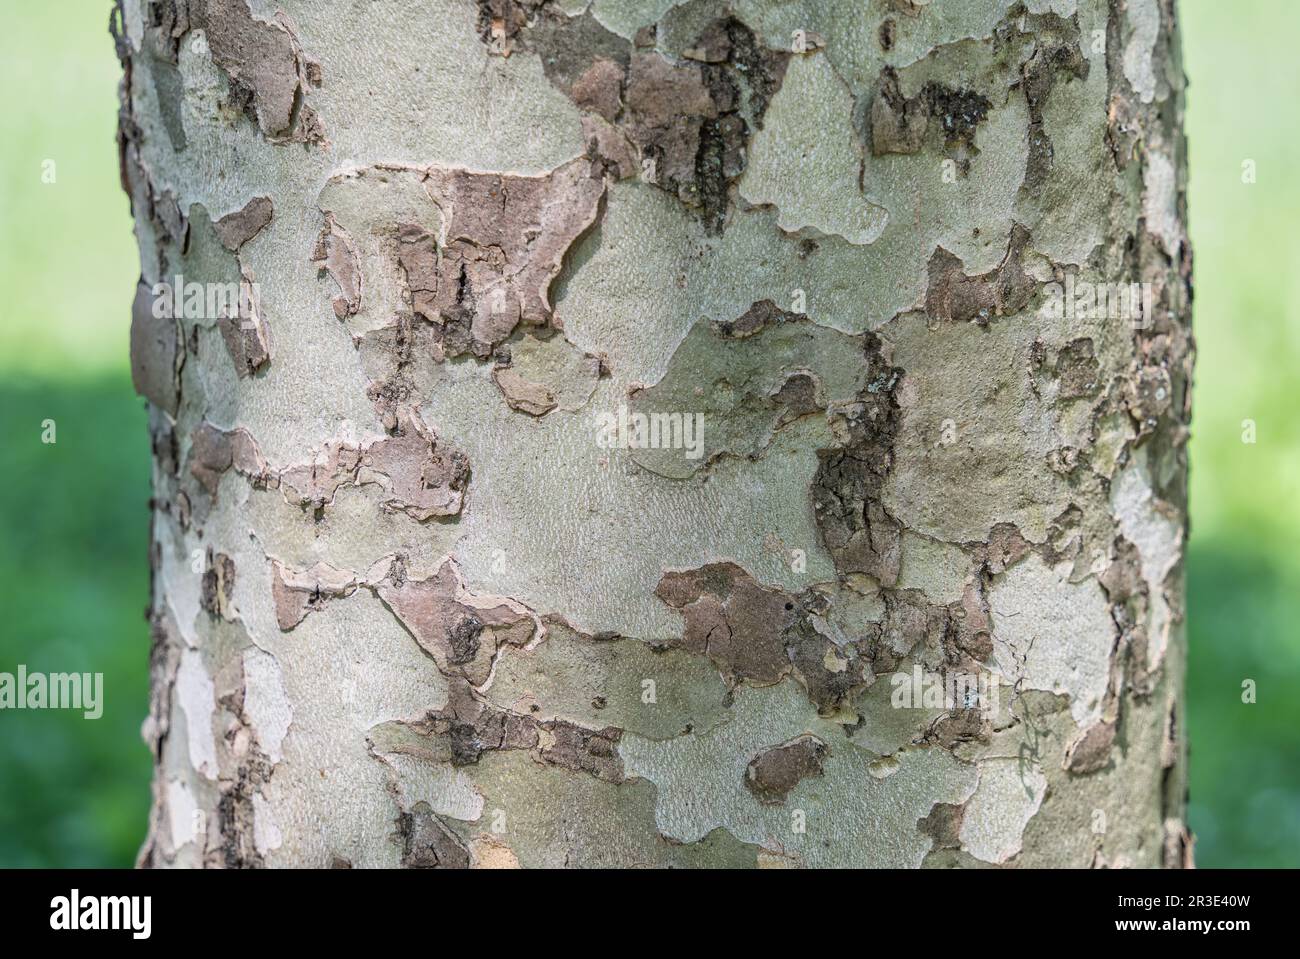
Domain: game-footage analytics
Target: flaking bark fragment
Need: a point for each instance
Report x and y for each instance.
(760, 635)
(1077, 369)
(468, 727)
(899, 124)
(218, 586)
(427, 843)
(1148, 397)
(959, 112)
(773, 773)
(247, 339)
(214, 451)
(419, 474)
(1090, 750)
(417, 254)
(398, 360)
(953, 296)
(481, 261)
(299, 592)
(858, 531)
(1005, 547)
(236, 229)
(742, 381)
(507, 238)
(232, 842)
(462, 634)
(688, 119)
(757, 318)
(960, 726)
(164, 661)
(500, 21)
(943, 825)
(268, 72)
(336, 254)
(521, 394)
(1056, 54)
(599, 90)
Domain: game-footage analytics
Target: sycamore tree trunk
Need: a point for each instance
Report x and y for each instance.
(638, 432)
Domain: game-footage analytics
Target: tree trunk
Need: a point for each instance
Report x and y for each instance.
(627, 432)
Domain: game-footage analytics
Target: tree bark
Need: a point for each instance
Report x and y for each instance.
(627, 432)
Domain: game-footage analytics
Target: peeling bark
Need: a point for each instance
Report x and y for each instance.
(773, 773)
(689, 434)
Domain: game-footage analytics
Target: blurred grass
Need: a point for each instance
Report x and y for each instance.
(1245, 787)
(74, 520)
(74, 564)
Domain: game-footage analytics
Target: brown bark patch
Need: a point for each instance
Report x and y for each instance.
(269, 74)
(773, 773)
(247, 339)
(1090, 750)
(421, 476)
(299, 592)
(1056, 54)
(213, 451)
(1077, 369)
(427, 843)
(336, 254)
(858, 532)
(943, 825)
(218, 586)
(954, 297)
(752, 633)
(757, 318)
(236, 229)
(463, 637)
(899, 124)
(468, 727)
(509, 238)
(687, 119)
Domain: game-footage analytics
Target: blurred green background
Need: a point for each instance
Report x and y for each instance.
(74, 515)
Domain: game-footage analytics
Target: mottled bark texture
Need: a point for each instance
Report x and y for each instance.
(415, 599)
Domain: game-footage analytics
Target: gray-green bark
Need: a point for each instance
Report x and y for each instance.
(424, 595)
